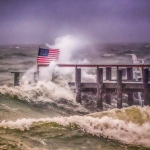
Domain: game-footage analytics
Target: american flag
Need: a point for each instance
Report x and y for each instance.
(45, 56)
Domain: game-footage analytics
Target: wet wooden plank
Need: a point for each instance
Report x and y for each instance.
(103, 65)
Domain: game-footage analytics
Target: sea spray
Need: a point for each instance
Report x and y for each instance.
(69, 45)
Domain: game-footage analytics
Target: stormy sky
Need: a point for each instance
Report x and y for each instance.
(40, 21)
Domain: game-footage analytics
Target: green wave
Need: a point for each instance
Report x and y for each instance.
(51, 135)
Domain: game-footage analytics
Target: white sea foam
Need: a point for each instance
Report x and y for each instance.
(112, 126)
(43, 92)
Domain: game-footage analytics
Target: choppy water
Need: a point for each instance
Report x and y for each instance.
(45, 116)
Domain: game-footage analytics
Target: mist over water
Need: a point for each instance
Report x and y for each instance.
(45, 115)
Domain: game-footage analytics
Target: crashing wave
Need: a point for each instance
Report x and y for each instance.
(44, 92)
(130, 125)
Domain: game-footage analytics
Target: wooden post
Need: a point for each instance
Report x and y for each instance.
(78, 84)
(124, 73)
(108, 73)
(145, 86)
(119, 88)
(108, 77)
(16, 78)
(130, 78)
(99, 80)
(149, 75)
(130, 74)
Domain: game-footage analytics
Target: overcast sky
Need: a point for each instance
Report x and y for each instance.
(40, 21)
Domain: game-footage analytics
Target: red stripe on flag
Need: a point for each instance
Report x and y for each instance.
(56, 50)
(47, 59)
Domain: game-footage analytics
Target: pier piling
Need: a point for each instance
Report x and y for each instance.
(108, 77)
(145, 86)
(16, 78)
(119, 88)
(130, 78)
(99, 81)
(78, 84)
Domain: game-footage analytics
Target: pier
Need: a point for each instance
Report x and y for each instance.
(108, 85)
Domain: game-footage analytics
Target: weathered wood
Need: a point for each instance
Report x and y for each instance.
(108, 77)
(16, 78)
(108, 73)
(130, 74)
(149, 74)
(145, 86)
(124, 72)
(99, 80)
(130, 98)
(130, 78)
(78, 84)
(126, 87)
(119, 88)
(102, 65)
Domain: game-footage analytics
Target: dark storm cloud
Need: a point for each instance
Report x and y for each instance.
(37, 21)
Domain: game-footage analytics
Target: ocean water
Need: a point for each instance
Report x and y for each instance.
(45, 115)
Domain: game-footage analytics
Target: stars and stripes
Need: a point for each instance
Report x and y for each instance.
(45, 56)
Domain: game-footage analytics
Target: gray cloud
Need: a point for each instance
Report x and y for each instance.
(38, 21)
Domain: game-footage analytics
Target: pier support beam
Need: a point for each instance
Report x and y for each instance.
(108, 73)
(145, 86)
(99, 79)
(78, 84)
(119, 88)
(16, 78)
(108, 77)
(130, 78)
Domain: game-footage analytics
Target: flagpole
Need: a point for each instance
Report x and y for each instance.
(38, 65)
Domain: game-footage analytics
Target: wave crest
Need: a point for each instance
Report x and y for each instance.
(112, 127)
